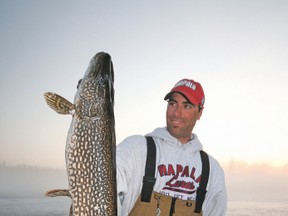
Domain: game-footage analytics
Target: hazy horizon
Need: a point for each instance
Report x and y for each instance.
(244, 182)
(229, 164)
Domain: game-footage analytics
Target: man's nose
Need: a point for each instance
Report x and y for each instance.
(177, 111)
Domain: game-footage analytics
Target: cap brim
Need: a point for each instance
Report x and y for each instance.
(169, 95)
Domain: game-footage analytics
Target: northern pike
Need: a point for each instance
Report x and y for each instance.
(91, 146)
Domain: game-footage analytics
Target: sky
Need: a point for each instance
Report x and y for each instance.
(237, 50)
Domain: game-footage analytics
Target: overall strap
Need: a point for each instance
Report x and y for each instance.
(201, 191)
(149, 178)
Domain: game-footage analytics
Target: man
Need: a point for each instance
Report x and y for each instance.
(178, 165)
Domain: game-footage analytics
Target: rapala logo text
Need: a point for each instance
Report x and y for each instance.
(182, 179)
(186, 83)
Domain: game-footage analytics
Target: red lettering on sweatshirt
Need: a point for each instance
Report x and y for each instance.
(180, 183)
(162, 170)
(177, 172)
(170, 170)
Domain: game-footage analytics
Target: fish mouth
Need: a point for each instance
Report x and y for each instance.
(101, 71)
(100, 68)
(95, 91)
(101, 65)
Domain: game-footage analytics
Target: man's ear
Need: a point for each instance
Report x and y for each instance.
(200, 113)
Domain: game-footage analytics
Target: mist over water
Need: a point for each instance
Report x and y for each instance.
(25, 181)
(59, 206)
(258, 182)
(244, 182)
(253, 190)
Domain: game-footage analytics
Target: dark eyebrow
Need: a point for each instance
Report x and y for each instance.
(185, 102)
(169, 100)
(188, 103)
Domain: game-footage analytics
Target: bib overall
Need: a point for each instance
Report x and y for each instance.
(152, 203)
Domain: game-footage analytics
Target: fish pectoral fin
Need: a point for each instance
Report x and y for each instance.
(58, 103)
(58, 192)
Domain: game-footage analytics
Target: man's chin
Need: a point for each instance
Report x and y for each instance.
(174, 131)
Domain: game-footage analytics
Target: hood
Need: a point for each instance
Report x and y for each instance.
(163, 134)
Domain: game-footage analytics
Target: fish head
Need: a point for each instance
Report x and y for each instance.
(95, 94)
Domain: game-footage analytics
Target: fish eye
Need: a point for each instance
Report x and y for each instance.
(101, 81)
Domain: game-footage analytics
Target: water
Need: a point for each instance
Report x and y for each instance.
(257, 209)
(46, 206)
(59, 206)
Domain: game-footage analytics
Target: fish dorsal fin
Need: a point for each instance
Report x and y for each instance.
(58, 103)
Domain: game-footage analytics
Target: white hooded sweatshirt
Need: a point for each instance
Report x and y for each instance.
(178, 168)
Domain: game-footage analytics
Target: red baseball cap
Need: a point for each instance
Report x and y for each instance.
(190, 89)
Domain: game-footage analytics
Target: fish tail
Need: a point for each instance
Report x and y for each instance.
(58, 192)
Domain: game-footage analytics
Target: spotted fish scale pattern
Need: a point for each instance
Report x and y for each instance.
(90, 146)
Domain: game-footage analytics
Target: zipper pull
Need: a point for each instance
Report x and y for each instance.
(158, 210)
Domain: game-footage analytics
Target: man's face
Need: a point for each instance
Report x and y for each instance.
(181, 116)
